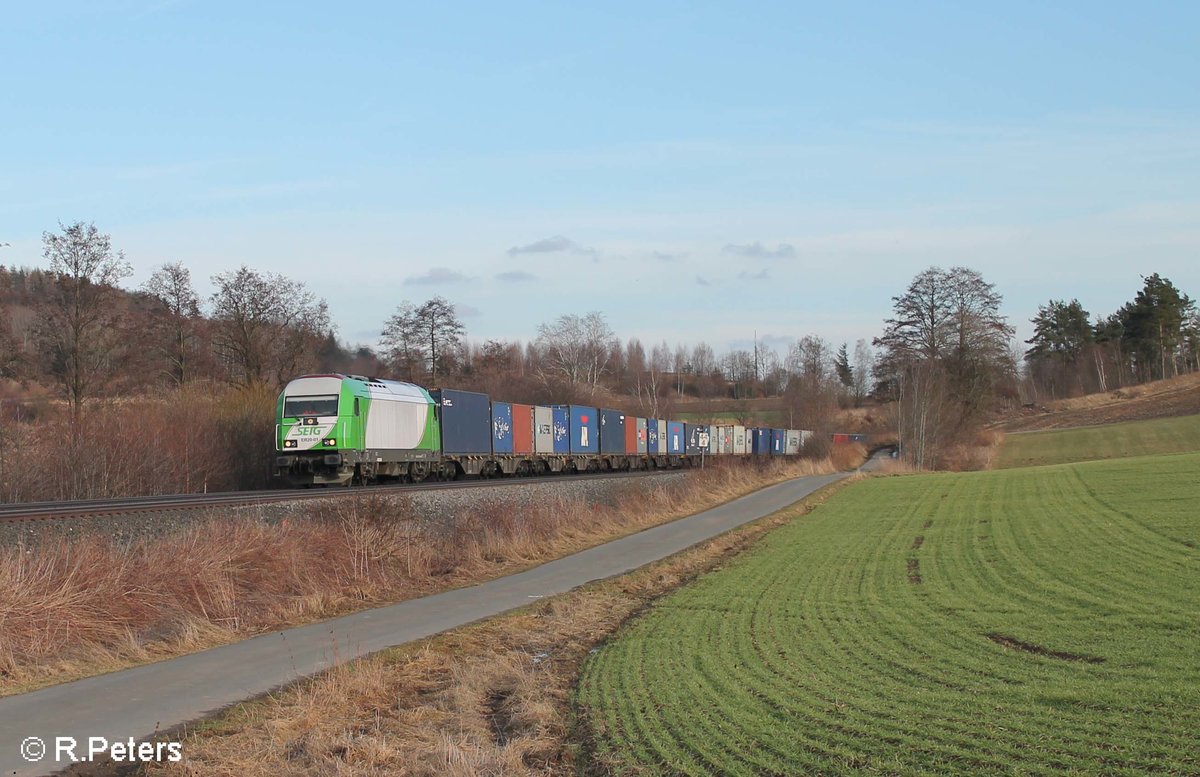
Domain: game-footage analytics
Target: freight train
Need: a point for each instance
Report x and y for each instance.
(338, 429)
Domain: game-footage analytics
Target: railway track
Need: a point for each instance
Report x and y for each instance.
(42, 511)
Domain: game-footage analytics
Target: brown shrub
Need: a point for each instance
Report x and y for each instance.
(199, 438)
(978, 453)
(848, 455)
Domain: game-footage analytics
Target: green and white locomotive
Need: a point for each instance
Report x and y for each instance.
(339, 429)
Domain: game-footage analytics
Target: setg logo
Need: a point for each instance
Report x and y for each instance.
(304, 437)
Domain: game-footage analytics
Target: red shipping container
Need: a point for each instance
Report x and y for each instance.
(522, 428)
(631, 434)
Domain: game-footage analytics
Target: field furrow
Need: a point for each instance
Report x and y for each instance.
(1038, 621)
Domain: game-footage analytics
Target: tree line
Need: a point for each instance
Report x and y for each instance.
(1153, 336)
(73, 328)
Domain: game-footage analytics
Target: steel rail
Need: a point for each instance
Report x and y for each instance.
(84, 508)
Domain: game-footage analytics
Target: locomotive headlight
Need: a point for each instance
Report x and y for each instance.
(329, 442)
(289, 443)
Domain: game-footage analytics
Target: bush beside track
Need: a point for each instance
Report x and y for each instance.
(1034, 621)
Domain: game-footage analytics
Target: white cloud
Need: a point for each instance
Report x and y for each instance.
(551, 245)
(757, 250)
(515, 276)
(435, 276)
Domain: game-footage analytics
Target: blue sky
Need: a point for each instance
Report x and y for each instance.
(694, 170)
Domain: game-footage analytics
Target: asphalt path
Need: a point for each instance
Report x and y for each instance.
(142, 702)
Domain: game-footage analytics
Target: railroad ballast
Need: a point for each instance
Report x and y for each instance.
(341, 429)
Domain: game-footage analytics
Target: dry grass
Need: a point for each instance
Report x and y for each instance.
(487, 699)
(847, 456)
(1168, 398)
(87, 605)
(978, 454)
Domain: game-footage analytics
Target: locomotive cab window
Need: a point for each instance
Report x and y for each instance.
(298, 407)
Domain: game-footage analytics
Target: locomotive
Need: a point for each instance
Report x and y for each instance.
(334, 429)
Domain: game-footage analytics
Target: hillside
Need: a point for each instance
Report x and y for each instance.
(1161, 399)
(1110, 441)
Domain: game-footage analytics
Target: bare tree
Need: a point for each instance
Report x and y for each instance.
(576, 348)
(422, 337)
(740, 367)
(653, 389)
(266, 328)
(864, 367)
(402, 342)
(945, 352)
(173, 325)
(810, 390)
(77, 325)
(681, 367)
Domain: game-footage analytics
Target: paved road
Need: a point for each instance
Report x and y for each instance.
(141, 701)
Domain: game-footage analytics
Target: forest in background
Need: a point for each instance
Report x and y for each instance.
(110, 391)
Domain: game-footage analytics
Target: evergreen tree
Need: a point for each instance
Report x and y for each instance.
(841, 363)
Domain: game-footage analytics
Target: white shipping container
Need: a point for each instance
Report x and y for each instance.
(543, 430)
(739, 441)
(793, 442)
(662, 437)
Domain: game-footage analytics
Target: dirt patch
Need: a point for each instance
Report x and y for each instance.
(500, 715)
(1028, 647)
(927, 524)
(914, 572)
(918, 542)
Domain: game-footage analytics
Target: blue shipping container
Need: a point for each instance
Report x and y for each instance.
(760, 440)
(612, 431)
(562, 428)
(502, 427)
(466, 419)
(584, 429)
(652, 436)
(697, 439)
(778, 442)
(675, 438)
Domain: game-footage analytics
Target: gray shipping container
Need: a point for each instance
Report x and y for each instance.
(543, 430)
(793, 442)
(662, 437)
(739, 441)
(641, 434)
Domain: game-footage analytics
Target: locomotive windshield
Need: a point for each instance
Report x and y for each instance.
(297, 407)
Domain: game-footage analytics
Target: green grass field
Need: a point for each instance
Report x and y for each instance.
(1135, 438)
(1034, 621)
